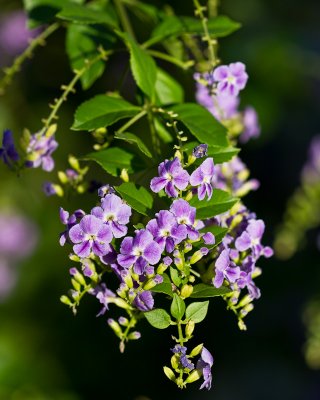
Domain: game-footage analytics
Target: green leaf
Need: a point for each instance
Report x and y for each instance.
(114, 159)
(133, 139)
(178, 307)
(219, 203)
(83, 14)
(174, 25)
(218, 232)
(139, 198)
(102, 111)
(202, 290)
(164, 287)
(219, 154)
(197, 311)
(201, 124)
(158, 318)
(82, 43)
(162, 132)
(143, 66)
(168, 90)
(175, 276)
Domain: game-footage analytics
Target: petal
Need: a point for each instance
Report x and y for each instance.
(232, 273)
(179, 233)
(166, 219)
(142, 239)
(221, 73)
(76, 234)
(171, 190)
(169, 244)
(207, 356)
(158, 184)
(152, 253)
(208, 238)
(90, 224)
(47, 163)
(196, 177)
(124, 214)
(152, 227)
(237, 69)
(126, 260)
(218, 279)
(207, 167)
(83, 249)
(105, 234)
(97, 212)
(256, 228)
(118, 230)
(209, 190)
(126, 245)
(223, 260)
(202, 190)
(181, 179)
(111, 203)
(100, 249)
(243, 242)
(140, 266)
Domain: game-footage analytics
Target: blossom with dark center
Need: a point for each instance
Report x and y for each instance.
(204, 364)
(91, 234)
(202, 178)
(171, 177)
(184, 360)
(225, 268)
(166, 231)
(115, 213)
(200, 151)
(231, 78)
(139, 251)
(185, 215)
(8, 152)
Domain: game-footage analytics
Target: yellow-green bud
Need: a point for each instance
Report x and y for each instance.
(169, 374)
(242, 325)
(175, 361)
(196, 257)
(58, 189)
(197, 350)
(161, 268)
(192, 279)
(51, 130)
(190, 328)
(244, 301)
(62, 177)
(186, 291)
(74, 257)
(191, 159)
(65, 300)
(149, 284)
(189, 195)
(194, 376)
(178, 154)
(76, 284)
(74, 163)
(124, 175)
(121, 303)
(115, 327)
(81, 189)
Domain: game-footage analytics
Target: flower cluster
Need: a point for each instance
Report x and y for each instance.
(218, 91)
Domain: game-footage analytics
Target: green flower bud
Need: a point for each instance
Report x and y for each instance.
(191, 159)
(62, 177)
(74, 163)
(115, 327)
(189, 196)
(178, 154)
(161, 268)
(186, 291)
(74, 257)
(58, 189)
(194, 376)
(76, 284)
(134, 335)
(169, 374)
(242, 325)
(124, 175)
(197, 350)
(121, 303)
(244, 301)
(65, 300)
(196, 257)
(51, 130)
(149, 284)
(175, 362)
(190, 328)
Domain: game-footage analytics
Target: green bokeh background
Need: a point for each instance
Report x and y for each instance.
(46, 353)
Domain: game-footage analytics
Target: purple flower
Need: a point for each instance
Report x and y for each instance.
(104, 190)
(200, 151)
(48, 188)
(185, 215)
(104, 295)
(182, 352)
(139, 251)
(91, 234)
(166, 231)
(251, 125)
(69, 221)
(225, 268)
(202, 178)
(231, 78)
(204, 364)
(144, 301)
(8, 152)
(115, 213)
(172, 176)
(208, 238)
(251, 237)
(39, 152)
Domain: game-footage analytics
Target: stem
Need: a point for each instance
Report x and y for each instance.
(154, 136)
(181, 338)
(70, 88)
(213, 8)
(125, 22)
(132, 121)
(38, 41)
(182, 64)
(211, 42)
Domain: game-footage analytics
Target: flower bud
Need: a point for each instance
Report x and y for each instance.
(77, 276)
(65, 300)
(51, 130)
(191, 279)
(197, 350)
(178, 154)
(189, 196)
(247, 309)
(74, 163)
(244, 301)
(242, 325)
(175, 362)
(186, 291)
(169, 373)
(161, 268)
(115, 327)
(197, 256)
(134, 335)
(74, 257)
(189, 328)
(126, 276)
(123, 321)
(76, 284)
(120, 303)
(194, 376)
(124, 175)
(191, 159)
(187, 247)
(62, 177)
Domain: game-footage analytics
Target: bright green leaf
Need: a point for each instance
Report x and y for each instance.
(197, 311)
(139, 198)
(131, 138)
(202, 290)
(175, 276)
(83, 14)
(158, 318)
(168, 90)
(162, 132)
(114, 159)
(201, 124)
(219, 203)
(102, 111)
(164, 287)
(143, 66)
(178, 307)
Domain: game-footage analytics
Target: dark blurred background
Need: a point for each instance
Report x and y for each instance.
(46, 353)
